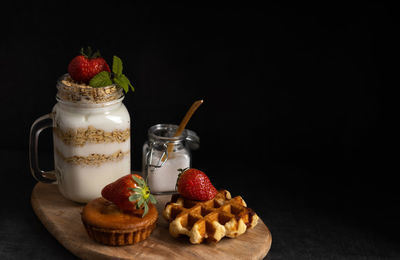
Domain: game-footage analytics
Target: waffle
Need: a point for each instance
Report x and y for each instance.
(209, 220)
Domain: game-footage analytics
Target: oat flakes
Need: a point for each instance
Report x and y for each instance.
(94, 158)
(81, 136)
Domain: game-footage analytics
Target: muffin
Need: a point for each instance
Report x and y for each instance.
(121, 217)
(107, 224)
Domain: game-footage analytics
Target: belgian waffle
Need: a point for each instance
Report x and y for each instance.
(209, 220)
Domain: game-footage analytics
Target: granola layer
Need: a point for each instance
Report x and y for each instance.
(94, 159)
(72, 91)
(81, 136)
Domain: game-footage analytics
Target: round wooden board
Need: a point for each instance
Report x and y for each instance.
(62, 219)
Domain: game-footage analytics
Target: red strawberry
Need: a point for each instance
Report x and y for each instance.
(129, 193)
(195, 185)
(84, 67)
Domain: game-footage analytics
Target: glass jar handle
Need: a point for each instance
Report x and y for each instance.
(37, 127)
(149, 157)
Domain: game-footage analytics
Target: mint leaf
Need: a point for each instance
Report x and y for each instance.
(101, 79)
(127, 82)
(118, 78)
(121, 83)
(117, 66)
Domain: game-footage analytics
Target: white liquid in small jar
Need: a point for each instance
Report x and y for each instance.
(164, 179)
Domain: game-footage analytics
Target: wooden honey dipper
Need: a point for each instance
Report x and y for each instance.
(183, 124)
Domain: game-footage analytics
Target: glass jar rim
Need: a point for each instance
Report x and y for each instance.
(169, 128)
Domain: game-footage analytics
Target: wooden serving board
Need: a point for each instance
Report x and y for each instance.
(62, 219)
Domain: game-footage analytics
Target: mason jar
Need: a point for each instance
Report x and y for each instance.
(164, 154)
(91, 134)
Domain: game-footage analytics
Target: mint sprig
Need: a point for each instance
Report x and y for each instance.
(106, 78)
(101, 79)
(117, 66)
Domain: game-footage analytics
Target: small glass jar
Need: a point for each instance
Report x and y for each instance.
(91, 134)
(164, 154)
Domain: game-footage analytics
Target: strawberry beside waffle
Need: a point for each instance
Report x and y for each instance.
(209, 220)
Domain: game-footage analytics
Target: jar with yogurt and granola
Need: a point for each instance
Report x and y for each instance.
(91, 134)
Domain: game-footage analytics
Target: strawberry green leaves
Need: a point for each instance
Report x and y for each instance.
(152, 199)
(135, 197)
(139, 181)
(88, 53)
(142, 195)
(116, 77)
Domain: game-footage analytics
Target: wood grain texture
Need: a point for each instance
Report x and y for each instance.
(62, 219)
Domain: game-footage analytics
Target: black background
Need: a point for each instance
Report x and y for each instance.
(296, 114)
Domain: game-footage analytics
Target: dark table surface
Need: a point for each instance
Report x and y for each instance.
(304, 224)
